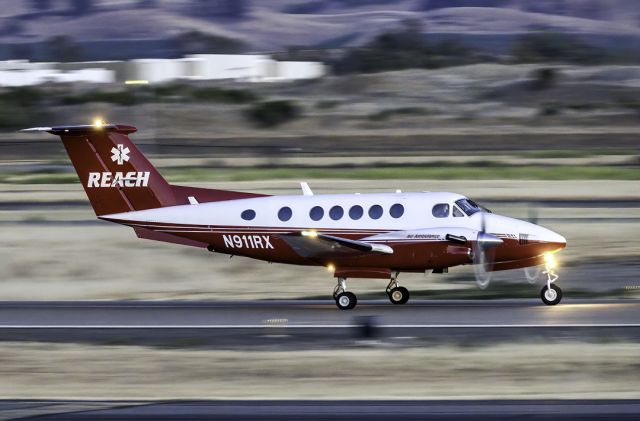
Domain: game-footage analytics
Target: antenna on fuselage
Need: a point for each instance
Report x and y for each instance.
(306, 190)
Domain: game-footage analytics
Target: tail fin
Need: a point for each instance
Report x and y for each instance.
(116, 176)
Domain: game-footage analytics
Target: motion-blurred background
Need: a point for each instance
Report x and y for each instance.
(531, 108)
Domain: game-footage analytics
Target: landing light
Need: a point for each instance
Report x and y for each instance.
(98, 123)
(331, 267)
(550, 261)
(310, 234)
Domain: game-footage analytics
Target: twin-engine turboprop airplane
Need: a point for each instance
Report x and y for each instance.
(354, 235)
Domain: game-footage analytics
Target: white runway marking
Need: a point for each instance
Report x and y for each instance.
(322, 326)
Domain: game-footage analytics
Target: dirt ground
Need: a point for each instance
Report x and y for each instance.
(517, 370)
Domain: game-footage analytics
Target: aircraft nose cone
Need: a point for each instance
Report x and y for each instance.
(553, 238)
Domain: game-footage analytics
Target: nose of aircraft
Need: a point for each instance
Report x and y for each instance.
(551, 240)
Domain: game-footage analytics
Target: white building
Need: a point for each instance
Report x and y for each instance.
(237, 67)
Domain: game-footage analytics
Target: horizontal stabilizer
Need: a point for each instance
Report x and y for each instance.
(83, 129)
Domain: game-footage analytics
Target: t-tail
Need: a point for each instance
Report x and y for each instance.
(117, 177)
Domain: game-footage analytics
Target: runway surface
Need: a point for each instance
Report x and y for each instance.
(326, 410)
(317, 314)
(309, 324)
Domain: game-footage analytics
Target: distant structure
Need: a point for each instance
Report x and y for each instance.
(237, 67)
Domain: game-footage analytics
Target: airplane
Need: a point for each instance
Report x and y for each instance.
(376, 235)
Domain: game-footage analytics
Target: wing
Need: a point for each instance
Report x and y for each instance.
(314, 245)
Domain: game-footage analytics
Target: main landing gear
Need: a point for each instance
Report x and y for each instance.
(346, 300)
(396, 293)
(551, 294)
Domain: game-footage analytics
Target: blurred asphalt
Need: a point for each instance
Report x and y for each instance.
(325, 410)
(307, 324)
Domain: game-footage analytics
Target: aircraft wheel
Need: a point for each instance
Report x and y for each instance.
(346, 300)
(399, 295)
(551, 296)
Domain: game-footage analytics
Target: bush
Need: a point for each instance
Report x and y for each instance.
(406, 48)
(542, 47)
(544, 78)
(19, 107)
(117, 97)
(235, 96)
(273, 113)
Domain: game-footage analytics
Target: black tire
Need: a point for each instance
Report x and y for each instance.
(346, 300)
(551, 297)
(399, 295)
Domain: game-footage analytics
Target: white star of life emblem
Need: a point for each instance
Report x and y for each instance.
(120, 154)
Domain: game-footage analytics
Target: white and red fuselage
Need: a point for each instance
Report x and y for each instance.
(256, 227)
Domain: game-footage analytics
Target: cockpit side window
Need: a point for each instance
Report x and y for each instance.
(457, 212)
(470, 207)
(441, 210)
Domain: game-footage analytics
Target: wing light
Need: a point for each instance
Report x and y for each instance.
(310, 234)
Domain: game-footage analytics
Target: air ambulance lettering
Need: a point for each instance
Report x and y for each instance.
(118, 179)
(248, 241)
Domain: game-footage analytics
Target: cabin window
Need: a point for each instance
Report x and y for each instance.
(316, 213)
(441, 210)
(356, 212)
(457, 212)
(336, 212)
(375, 212)
(284, 214)
(248, 214)
(396, 210)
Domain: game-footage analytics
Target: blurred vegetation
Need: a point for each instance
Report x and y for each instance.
(404, 48)
(388, 113)
(194, 42)
(544, 78)
(116, 97)
(171, 92)
(273, 113)
(213, 94)
(409, 47)
(544, 47)
(63, 48)
(18, 106)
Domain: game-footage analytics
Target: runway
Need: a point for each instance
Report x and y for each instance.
(308, 323)
(325, 410)
(323, 314)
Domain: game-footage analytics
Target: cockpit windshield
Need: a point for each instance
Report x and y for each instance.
(470, 207)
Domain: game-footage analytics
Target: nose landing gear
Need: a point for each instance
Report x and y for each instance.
(551, 294)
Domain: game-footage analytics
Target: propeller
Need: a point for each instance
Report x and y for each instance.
(484, 253)
(532, 272)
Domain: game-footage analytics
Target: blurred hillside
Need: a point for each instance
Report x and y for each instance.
(105, 29)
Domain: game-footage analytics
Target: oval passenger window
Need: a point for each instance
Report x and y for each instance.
(285, 213)
(248, 215)
(316, 213)
(375, 212)
(396, 210)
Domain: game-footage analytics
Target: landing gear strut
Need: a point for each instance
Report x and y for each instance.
(396, 293)
(345, 300)
(551, 294)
